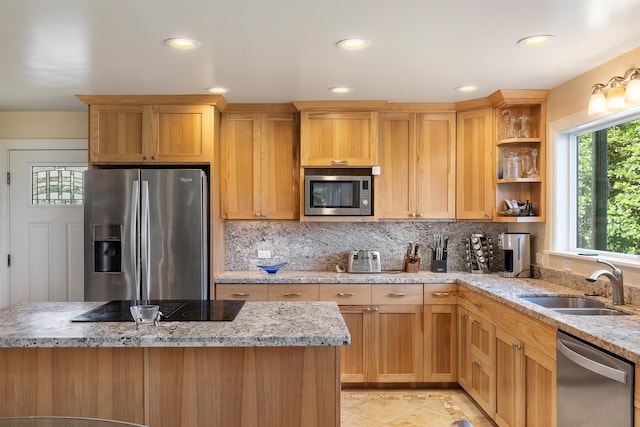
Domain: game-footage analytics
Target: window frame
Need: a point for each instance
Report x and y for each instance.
(564, 230)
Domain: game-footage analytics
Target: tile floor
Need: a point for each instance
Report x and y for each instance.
(423, 408)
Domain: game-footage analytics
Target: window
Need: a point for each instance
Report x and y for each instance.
(57, 185)
(608, 188)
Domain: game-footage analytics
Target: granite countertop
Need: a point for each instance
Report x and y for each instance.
(617, 334)
(258, 324)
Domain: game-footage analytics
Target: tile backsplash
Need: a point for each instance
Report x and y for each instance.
(322, 246)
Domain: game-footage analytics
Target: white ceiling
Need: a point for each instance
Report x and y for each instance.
(283, 50)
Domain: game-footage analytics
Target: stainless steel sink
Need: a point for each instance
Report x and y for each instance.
(553, 301)
(575, 305)
(590, 311)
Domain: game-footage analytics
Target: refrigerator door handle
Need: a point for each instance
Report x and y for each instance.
(145, 246)
(133, 237)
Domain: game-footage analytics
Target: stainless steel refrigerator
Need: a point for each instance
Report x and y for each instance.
(145, 234)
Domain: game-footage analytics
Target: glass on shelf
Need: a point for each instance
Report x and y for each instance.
(519, 163)
(508, 125)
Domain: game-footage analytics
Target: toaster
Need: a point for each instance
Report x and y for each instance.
(364, 262)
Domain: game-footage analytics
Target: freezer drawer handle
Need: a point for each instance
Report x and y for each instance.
(591, 365)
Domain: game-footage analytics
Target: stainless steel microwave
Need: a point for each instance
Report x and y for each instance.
(338, 195)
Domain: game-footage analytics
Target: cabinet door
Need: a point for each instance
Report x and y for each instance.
(440, 343)
(482, 345)
(464, 348)
(115, 134)
(182, 133)
(539, 389)
(240, 165)
(280, 164)
(435, 166)
(353, 358)
(338, 138)
(397, 149)
(509, 380)
(399, 343)
(475, 167)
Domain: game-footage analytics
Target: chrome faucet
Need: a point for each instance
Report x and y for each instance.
(615, 277)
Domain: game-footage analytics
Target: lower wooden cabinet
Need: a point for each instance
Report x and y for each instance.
(519, 387)
(509, 380)
(440, 344)
(386, 344)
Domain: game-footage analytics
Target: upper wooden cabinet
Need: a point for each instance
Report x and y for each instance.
(152, 129)
(475, 166)
(260, 165)
(417, 160)
(338, 134)
(520, 138)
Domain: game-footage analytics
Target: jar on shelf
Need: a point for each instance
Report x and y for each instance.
(512, 166)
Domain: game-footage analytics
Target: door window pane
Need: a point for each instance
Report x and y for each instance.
(57, 185)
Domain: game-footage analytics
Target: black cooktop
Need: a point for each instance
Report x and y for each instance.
(172, 310)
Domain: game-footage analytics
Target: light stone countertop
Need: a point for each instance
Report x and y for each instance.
(617, 334)
(258, 324)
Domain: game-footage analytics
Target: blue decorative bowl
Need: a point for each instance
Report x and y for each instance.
(272, 269)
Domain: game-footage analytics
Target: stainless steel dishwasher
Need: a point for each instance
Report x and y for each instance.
(595, 388)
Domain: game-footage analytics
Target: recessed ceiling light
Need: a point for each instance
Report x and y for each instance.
(340, 89)
(353, 44)
(218, 90)
(467, 88)
(185, 44)
(539, 40)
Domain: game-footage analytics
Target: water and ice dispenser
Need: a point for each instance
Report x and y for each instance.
(107, 248)
(517, 254)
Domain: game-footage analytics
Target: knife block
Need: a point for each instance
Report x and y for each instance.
(411, 267)
(439, 266)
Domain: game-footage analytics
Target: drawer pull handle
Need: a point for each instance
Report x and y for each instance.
(240, 294)
(339, 162)
(466, 316)
(475, 362)
(398, 294)
(516, 346)
(345, 294)
(477, 322)
(461, 296)
(478, 305)
(293, 294)
(440, 294)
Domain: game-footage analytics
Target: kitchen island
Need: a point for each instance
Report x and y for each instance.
(276, 364)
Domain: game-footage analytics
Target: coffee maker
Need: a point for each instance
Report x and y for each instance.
(517, 254)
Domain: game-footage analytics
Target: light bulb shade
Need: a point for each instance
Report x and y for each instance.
(615, 98)
(632, 94)
(597, 103)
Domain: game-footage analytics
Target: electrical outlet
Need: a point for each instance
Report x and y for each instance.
(539, 259)
(566, 265)
(264, 254)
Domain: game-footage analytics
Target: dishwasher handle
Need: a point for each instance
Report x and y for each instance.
(592, 365)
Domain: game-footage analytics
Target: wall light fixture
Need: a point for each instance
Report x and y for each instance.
(623, 91)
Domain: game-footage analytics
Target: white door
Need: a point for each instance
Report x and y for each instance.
(46, 238)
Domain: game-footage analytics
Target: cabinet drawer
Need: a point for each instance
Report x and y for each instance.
(440, 293)
(396, 294)
(241, 292)
(293, 293)
(475, 302)
(346, 294)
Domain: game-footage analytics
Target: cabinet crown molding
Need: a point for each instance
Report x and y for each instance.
(217, 100)
(339, 105)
